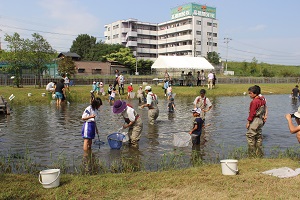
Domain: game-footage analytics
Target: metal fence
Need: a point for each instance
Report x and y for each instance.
(27, 80)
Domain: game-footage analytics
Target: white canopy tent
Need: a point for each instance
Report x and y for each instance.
(181, 62)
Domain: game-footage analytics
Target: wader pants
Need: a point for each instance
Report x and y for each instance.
(152, 115)
(135, 131)
(254, 137)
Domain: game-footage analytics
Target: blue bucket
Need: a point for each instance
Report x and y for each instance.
(115, 140)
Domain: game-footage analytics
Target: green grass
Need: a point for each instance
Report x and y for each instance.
(205, 182)
(82, 93)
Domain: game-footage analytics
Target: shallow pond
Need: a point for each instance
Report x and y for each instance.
(48, 132)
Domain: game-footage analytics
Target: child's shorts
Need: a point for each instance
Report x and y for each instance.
(111, 98)
(88, 130)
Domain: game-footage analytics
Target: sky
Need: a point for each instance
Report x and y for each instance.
(262, 29)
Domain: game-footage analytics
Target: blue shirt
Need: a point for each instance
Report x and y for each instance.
(198, 121)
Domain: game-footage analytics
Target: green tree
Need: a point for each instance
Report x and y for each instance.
(100, 49)
(213, 58)
(253, 67)
(82, 45)
(40, 53)
(66, 66)
(124, 56)
(15, 56)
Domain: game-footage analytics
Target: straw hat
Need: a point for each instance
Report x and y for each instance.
(119, 106)
(297, 114)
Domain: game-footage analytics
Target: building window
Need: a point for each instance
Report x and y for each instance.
(215, 34)
(80, 70)
(198, 22)
(209, 24)
(96, 71)
(198, 32)
(209, 33)
(215, 44)
(108, 29)
(215, 25)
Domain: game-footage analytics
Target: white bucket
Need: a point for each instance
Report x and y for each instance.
(181, 139)
(49, 178)
(29, 94)
(131, 94)
(229, 167)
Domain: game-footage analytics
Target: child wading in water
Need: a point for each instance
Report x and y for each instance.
(171, 105)
(197, 126)
(89, 128)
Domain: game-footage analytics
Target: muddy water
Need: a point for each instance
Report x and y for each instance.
(50, 133)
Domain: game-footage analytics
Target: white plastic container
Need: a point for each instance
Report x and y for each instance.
(229, 167)
(181, 139)
(49, 178)
(43, 94)
(29, 94)
(131, 94)
(126, 138)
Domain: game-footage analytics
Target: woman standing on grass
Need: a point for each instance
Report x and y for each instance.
(89, 128)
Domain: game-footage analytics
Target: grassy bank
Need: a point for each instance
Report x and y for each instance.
(82, 93)
(205, 182)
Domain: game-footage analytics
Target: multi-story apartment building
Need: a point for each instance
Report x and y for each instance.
(192, 31)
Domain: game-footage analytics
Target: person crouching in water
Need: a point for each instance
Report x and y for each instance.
(151, 103)
(197, 126)
(89, 128)
(132, 119)
(255, 122)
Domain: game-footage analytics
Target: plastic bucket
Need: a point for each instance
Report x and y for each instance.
(229, 167)
(115, 140)
(49, 178)
(131, 94)
(181, 139)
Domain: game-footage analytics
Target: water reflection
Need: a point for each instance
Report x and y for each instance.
(49, 131)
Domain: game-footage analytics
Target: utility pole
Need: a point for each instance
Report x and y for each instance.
(195, 47)
(227, 40)
(0, 39)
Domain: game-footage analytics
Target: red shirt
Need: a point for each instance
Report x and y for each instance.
(130, 88)
(255, 104)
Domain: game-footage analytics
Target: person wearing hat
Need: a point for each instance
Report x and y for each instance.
(255, 122)
(294, 129)
(203, 103)
(132, 121)
(197, 126)
(129, 89)
(151, 103)
(140, 94)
